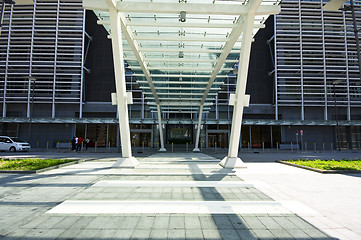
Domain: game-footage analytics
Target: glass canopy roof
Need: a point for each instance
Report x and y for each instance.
(181, 51)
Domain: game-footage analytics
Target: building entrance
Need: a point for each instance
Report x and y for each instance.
(140, 139)
(179, 134)
(219, 139)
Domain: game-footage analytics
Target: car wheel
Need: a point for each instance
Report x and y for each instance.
(12, 149)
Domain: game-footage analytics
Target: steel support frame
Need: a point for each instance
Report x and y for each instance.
(162, 148)
(196, 148)
(232, 160)
(127, 159)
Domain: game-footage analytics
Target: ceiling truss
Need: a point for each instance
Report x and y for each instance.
(181, 64)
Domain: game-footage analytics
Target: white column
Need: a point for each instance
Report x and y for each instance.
(232, 160)
(127, 159)
(196, 149)
(162, 148)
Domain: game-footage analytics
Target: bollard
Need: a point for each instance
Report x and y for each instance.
(277, 146)
(172, 147)
(359, 146)
(47, 145)
(95, 146)
(291, 147)
(348, 146)
(143, 146)
(158, 145)
(69, 145)
(331, 146)
(215, 146)
(263, 146)
(306, 146)
(186, 147)
(109, 146)
(249, 147)
(37, 144)
(58, 145)
(201, 146)
(323, 146)
(314, 146)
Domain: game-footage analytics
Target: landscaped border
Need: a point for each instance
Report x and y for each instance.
(317, 170)
(43, 169)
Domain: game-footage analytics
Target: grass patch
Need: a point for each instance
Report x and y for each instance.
(345, 164)
(26, 164)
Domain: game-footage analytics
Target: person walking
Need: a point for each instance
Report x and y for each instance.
(86, 142)
(79, 144)
(73, 143)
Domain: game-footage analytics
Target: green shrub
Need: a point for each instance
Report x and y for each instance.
(30, 163)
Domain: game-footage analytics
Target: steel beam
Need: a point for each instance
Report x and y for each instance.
(232, 160)
(127, 159)
(196, 149)
(162, 148)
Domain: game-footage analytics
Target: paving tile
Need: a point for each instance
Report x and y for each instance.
(145, 222)
(67, 222)
(229, 234)
(99, 222)
(246, 234)
(159, 234)
(299, 222)
(263, 234)
(207, 222)
(161, 222)
(87, 233)
(315, 233)
(176, 234)
(192, 222)
(176, 222)
(36, 222)
(222, 221)
(298, 233)
(253, 222)
(194, 234)
(44, 233)
(129, 222)
(82, 222)
(269, 223)
(284, 222)
(281, 234)
(141, 234)
(69, 234)
(123, 234)
(237, 222)
(50, 222)
(105, 234)
(211, 234)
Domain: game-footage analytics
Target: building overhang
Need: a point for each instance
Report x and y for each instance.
(256, 122)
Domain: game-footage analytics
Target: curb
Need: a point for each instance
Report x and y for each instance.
(43, 169)
(318, 170)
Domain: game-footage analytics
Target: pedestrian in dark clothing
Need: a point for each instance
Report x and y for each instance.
(73, 143)
(86, 142)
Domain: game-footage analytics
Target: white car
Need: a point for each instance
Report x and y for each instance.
(13, 144)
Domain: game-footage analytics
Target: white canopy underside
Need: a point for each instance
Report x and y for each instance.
(181, 66)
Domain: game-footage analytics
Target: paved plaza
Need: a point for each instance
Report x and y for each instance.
(180, 196)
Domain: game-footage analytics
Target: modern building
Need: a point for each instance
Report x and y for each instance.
(303, 80)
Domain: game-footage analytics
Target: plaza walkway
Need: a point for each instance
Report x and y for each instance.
(169, 196)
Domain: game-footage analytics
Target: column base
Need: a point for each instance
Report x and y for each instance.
(232, 162)
(130, 162)
(196, 150)
(162, 150)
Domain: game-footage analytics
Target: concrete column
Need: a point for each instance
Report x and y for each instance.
(127, 159)
(162, 148)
